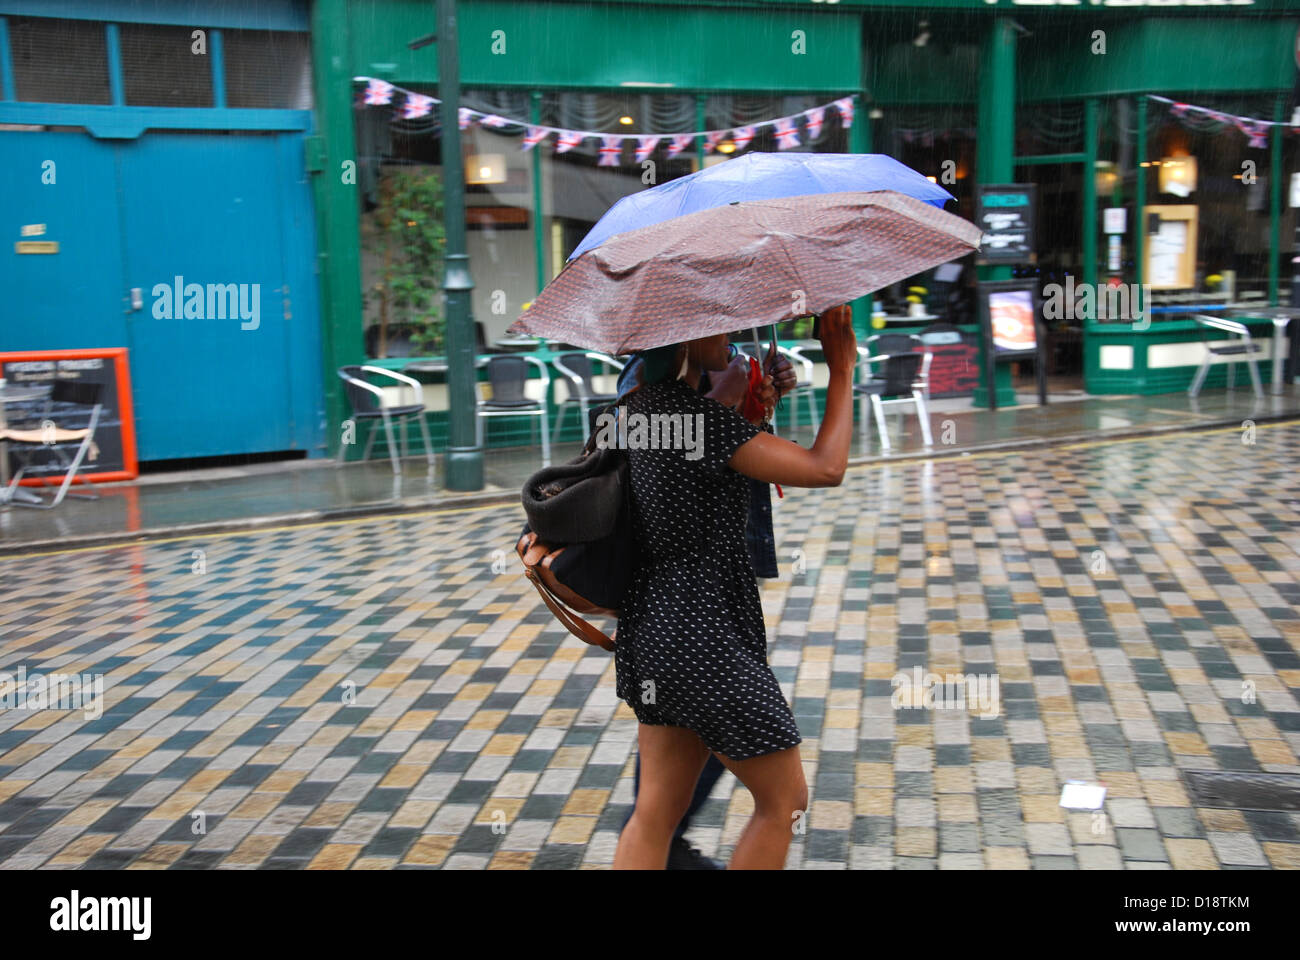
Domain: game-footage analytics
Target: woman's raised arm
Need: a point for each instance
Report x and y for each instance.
(776, 460)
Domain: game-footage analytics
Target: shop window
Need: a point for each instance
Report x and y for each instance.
(577, 190)
(499, 211)
(161, 69)
(1049, 128)
(937, 142)
(268, 69)
(504, 229)
(1207, 194)
(399, 170)
(59, 61)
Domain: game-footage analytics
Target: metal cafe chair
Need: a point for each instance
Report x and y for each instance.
(369, 402)
(803, 386)
(577, 369)
(52, 433)
(901, 378)
(507, 379)
(1244, 350)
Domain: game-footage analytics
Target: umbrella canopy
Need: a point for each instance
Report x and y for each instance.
(761, 176)
(731, 267)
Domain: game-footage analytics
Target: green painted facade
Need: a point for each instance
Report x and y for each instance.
(995, 56)
(592, 46)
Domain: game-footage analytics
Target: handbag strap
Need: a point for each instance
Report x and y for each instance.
(575, 624)
(590, 445)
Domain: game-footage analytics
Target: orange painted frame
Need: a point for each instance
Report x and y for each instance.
(125, 412)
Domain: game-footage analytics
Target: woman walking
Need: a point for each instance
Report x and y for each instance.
(691, 654)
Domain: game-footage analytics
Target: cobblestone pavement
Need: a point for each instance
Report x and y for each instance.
(376, 694)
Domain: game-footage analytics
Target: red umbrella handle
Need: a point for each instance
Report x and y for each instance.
(752, 409)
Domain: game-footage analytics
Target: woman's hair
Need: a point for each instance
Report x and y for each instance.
(660, 363)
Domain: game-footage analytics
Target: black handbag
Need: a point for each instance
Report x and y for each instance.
(577, 546)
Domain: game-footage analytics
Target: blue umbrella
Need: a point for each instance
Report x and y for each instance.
(761, 176)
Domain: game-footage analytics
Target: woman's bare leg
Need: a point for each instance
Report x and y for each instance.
(777, 783)
(671, 761)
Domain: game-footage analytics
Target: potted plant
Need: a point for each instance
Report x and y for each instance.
(410, 243)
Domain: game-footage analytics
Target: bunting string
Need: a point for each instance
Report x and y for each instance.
(414, 105)
(1255, 129)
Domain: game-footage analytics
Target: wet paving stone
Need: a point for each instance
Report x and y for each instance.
(379, 684)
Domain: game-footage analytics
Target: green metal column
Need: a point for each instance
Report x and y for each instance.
(1275, 200)
(860, 142)
(699, 125)
(1140, 201)
(338, 222)
(995, 157)
(539, 227)
(464, 456)
(1090, 127)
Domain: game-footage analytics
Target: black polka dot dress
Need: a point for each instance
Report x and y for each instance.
(691, 647)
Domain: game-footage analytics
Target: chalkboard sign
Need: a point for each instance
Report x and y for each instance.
(1005, 213)
(954, 361)
(114, 438)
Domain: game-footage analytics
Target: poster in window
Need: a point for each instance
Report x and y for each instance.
(1011, 313)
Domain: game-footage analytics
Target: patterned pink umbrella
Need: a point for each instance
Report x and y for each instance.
(742, 265)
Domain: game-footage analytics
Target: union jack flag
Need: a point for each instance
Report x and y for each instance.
(417, 105)
(466, 116)
(1257, 130)
(644, 147)
(534, 136)
(1178, 109)
(815, 118)
(743, 135)
(712, 139)
(378, 93)
(845, 107)
(679, 143)
(787, 135)
(568, 140)
(611, 150)
(492, 120)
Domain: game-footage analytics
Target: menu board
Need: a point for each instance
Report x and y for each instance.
(114, 439)
(1011, 315)
(1009, 324)
(1005, 214)
(954, 363)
